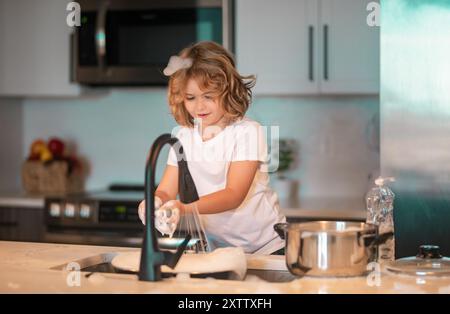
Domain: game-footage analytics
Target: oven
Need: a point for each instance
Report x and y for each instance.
(106, 218)
(97, 218)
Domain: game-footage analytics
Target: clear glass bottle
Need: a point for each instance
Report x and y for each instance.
(380, 212)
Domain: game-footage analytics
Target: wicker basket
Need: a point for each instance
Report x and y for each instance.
(53, 177)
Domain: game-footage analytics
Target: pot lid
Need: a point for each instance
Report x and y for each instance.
(428, 262)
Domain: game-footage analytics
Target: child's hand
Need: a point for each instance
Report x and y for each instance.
(175, 204)
(182, 207)
(141, 208)
(167, 217)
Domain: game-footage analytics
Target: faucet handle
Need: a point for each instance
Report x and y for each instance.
(171, 259)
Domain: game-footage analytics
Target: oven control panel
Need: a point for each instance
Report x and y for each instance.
(91, 212)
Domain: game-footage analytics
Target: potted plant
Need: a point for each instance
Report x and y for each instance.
(286, 188)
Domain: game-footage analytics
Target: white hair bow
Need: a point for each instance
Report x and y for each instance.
(177, 63)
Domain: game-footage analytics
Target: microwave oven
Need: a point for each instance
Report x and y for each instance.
(129, 42)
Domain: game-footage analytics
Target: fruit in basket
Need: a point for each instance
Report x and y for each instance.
(33, 158)
(53, 150)
(49, 168)
(36, 148)
(46, 155)
(73, 163)
(56, 147)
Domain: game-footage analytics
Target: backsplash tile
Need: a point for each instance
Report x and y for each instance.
(114, 129)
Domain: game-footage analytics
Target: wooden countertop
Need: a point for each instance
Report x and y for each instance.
(21, 199)
(26, 268)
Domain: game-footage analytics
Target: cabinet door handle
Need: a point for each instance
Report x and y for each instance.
(311, 53)
(325, 52)
(100, 34)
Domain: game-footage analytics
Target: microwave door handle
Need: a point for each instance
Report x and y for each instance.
(100, 35)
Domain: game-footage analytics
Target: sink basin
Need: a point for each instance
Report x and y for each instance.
(101, 263)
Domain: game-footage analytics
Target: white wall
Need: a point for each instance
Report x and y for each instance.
(338, 139)
(114, 130)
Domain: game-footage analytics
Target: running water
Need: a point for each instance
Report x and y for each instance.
(191, 223)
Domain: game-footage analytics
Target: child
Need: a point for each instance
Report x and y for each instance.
(226, 153)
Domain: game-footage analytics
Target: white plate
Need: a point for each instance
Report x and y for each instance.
(266, 262)
(220, 260)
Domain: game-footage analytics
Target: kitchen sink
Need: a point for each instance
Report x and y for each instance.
(101, 263)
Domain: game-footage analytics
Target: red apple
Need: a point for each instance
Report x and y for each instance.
(56, 147)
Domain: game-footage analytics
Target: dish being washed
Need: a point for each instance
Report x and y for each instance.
(230, 259)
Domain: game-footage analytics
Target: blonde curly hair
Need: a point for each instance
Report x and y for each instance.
(214, 69)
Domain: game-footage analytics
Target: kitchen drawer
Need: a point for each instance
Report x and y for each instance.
(21, 224)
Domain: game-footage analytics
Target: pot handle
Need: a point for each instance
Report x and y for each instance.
(280, 228)
(373, 240)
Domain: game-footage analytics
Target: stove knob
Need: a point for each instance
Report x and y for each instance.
(55, 209)
(69, 211)
(85, 211)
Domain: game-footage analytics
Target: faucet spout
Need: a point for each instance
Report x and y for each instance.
(151, 256)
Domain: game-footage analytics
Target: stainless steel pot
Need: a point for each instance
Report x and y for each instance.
(330, 248)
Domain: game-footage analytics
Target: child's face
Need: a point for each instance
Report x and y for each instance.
(203, 104)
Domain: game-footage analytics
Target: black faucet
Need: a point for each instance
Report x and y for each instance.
(151, 257)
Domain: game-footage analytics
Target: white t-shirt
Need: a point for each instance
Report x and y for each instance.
(249, 226)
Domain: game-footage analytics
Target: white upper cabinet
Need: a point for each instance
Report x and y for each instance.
(35, 49)
(350, 48)
(307, 46)
(277, 41)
